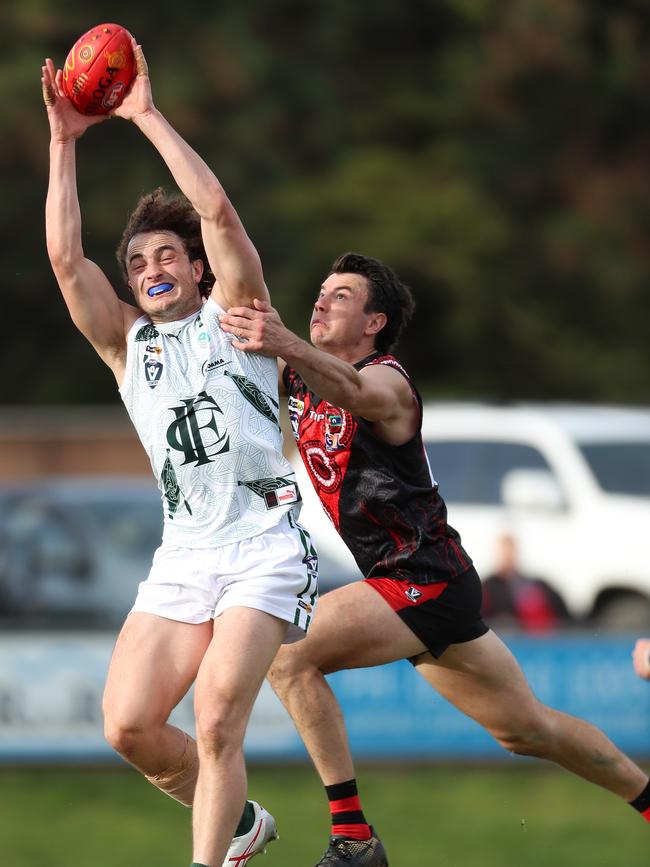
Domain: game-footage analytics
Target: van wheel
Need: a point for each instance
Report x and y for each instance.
(624, 613)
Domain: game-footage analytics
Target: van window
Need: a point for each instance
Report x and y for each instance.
(73, 557)
(622, 467)
(471, 471)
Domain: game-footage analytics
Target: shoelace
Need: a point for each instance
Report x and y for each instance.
(345, 850)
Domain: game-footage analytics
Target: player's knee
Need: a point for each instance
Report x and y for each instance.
(526, 738)
(220, 729)
(127, 739)
(287, 670)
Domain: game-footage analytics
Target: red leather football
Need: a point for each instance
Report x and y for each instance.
(99, 69)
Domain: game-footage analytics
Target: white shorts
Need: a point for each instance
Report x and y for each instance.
(276, 572)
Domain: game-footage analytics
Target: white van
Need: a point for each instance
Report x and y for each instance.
(571, 483)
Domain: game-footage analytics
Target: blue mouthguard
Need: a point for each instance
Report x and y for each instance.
(159, 289)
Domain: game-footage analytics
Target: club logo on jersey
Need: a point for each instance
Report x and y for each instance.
(337, 428)
(153, 371)
(197, 430)
(334, 429)
(412, 594)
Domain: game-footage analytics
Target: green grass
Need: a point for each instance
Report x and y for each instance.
(527, 815)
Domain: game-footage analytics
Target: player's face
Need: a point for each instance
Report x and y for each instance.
(338, 322)
(163, 280)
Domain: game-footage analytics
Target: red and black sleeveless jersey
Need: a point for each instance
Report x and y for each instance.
(381, 498)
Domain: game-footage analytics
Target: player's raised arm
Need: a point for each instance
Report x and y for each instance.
(231, 254)
(94, 307)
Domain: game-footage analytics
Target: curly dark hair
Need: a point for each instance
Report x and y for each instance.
(159, 212)
(386, 294)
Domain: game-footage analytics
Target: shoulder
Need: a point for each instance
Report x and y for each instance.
(387, 372)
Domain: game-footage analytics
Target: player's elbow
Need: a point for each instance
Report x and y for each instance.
(65, 260)
(65, 265)
(213, 205)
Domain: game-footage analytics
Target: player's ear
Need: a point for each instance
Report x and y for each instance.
(198, 268)
(376, 323)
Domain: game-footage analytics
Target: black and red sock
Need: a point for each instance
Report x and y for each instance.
(642, 803)
(345, 807)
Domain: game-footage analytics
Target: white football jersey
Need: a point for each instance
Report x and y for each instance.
(208, 417)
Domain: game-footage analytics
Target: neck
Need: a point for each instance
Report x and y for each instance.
(172, 314)
(351, 354)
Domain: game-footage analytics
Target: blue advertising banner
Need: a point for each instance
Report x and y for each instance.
(51, 688)
(392, 711)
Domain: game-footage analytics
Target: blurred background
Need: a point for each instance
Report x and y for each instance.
(496, 155)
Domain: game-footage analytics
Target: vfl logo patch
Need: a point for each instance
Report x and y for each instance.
(152, 371)
(412, 594)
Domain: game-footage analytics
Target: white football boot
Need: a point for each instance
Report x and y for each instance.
(244, 847)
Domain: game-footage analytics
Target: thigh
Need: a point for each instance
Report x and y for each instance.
(235, 664)
(482, 679)
(154, 663)
(276, 572)
(354, 627)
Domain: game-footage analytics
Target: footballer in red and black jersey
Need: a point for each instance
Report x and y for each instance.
(381, 498)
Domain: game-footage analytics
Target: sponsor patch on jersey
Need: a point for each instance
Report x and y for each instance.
(281, 496)
(213, 365)
(275, 491)
(412, 593)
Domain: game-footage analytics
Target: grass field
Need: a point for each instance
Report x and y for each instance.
(519, 816)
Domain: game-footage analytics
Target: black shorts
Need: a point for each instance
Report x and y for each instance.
(440, 614)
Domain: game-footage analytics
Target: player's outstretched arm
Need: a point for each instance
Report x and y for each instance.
(378, 393)
(232, 255)
(91, 300)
